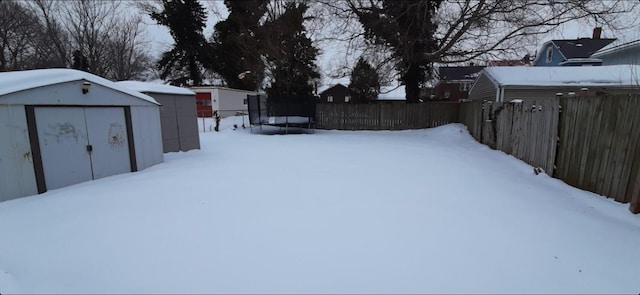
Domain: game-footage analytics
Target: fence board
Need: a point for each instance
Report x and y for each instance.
(470, 114)
(394, 116)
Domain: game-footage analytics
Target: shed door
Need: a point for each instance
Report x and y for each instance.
(80, 144)
(107, 131)
(62, 135)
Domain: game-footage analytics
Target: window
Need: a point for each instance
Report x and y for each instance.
(464, 86)
(329, 98)
(549, 54)
(347, 98)
(244, 102)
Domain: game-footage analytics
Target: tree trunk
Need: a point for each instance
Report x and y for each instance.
(412, 84)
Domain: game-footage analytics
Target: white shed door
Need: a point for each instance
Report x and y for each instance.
(80, 144)
(108, 139)
(62, 134)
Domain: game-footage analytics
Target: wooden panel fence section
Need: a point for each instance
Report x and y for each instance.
(470, 114)
(393, 116)
(527, 130)
(600, 146)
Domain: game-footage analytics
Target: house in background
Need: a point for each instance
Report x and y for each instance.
(335, 94)
(227, 101)
(509, 62)
(454, 82)
(178, 116)
(60, 127)
(628, 53)
(577, 52)
(508, 83)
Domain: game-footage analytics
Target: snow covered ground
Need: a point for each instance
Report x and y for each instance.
(332, 212)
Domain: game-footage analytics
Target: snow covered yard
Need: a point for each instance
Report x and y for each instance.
(424, 211)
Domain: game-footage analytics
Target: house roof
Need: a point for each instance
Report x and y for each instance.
(459, 73)
(150, 87)
(506, 63)
(11, 82)
(622, 47)
(339, 85)
(586, 76)
(582, 47)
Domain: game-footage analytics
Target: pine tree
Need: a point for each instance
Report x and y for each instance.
(186, 20)
(80, 61)
(365, 82)
(235, 54)
(291, 54)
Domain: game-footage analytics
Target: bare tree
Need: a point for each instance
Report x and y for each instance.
(103, 33)
(126, 55)
(469, 30)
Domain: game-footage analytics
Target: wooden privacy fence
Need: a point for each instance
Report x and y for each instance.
(599, 146)
(592, 143)
(392, 116)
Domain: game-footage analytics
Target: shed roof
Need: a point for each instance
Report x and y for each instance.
(587, 76)
(150, 87)
(11, 82)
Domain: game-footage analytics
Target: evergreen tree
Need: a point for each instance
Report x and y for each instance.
(80, 61)
(235, 54)
(407, 27)
(290, 54)
(186, 20)
(365, 82)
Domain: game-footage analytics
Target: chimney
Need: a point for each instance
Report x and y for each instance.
(597, 31)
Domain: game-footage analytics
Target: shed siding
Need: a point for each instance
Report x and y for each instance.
(483, 89)
(170, 131)
(187, 122)
(629, 57)
(147, 135)
(550, 92)
(179, 122)
(17, 176)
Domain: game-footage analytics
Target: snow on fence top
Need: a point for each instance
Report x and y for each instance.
(611, 75)
(11, 82)
(150, 87)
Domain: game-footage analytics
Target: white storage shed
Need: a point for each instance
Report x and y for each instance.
(177, 114)
(61, 127)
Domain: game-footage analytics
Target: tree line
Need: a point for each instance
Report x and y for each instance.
(94, 36)
(273, 45)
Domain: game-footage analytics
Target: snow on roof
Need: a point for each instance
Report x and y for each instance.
(151, 87)
(594, 76)
(11, 82)
(393, 93)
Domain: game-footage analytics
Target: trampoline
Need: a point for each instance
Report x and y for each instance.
(286, 114)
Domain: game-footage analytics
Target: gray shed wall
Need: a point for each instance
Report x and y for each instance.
(178, 118)
(483, 89)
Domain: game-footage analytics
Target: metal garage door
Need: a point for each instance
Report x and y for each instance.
(79, 144)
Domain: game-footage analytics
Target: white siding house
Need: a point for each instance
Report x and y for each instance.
(227, 101)
(60, 127)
